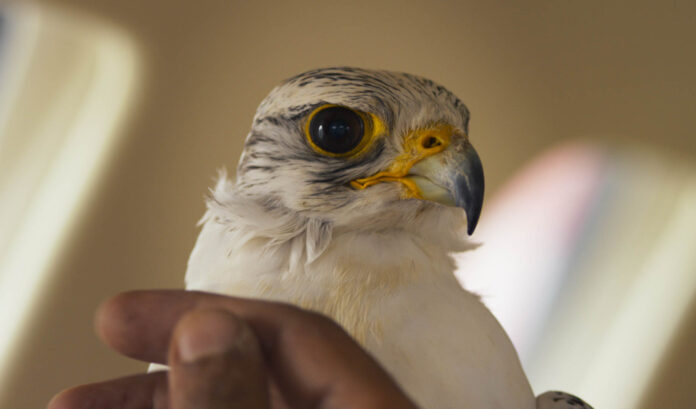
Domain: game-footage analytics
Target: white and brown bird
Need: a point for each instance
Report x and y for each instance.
(354, 189)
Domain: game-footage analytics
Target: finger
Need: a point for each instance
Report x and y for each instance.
(145, 391)
(216, 362)
(125, 322)
(308, 355)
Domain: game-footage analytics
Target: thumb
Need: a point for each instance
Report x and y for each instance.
(216, 362)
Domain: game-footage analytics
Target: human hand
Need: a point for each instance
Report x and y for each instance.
(227, 352)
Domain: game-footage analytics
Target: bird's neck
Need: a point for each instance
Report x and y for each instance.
(249, 251)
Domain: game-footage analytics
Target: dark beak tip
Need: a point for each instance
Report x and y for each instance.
(472, 217)
(471, 226)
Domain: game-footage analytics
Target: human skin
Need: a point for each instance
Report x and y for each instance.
(227, 352)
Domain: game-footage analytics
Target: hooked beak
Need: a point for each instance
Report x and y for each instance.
(438, 164)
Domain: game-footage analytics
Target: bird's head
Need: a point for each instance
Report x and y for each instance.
(364, 148)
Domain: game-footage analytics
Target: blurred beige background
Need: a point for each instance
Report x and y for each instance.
(532, 74)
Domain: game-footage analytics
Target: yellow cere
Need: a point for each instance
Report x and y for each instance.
(373, 127)
(418, 145)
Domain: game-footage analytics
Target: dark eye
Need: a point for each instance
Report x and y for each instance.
(336, 129)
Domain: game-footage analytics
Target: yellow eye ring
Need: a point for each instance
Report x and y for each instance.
(353, 131)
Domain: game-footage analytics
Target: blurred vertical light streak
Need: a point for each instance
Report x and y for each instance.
(19, 37)
(74, 169)
(629, 285)
(650, 313)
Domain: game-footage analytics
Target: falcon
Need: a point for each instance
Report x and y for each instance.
(353, 190)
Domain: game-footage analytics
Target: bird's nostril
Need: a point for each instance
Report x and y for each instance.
(430, 142)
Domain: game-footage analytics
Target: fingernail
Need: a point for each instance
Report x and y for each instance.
(199, 342)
